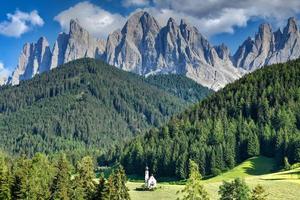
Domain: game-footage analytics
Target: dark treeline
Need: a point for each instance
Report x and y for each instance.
(257, 115)
(41, 178)
(84, 106)
(179, 86)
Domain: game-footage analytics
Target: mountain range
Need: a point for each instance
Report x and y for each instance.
(144, 47)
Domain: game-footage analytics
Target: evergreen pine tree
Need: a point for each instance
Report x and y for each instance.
(77, 191)
(5, 180)
(287, 165)
(193, 188)
(61, 185)
(258, 193)
(253, 145)
(85, 169)
(235, 190)
(101, 188)
(117, 185)
(20, 185)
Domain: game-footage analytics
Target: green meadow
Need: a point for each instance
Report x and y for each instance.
(257, 170)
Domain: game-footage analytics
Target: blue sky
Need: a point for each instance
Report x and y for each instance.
(227, 21)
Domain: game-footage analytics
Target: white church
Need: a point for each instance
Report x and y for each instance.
(150, 182)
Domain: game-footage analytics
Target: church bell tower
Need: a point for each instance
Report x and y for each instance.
(146, 175)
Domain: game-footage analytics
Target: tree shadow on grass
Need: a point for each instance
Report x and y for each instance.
(260, 165)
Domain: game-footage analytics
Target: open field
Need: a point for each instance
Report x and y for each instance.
(279, 185)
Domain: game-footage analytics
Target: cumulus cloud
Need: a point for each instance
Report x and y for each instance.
(212, 17)
(217, 16)
(4, 73)
(207, 26)
(96, 20)
(128, 3)
(20, 23)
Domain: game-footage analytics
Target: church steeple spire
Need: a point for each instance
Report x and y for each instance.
(146, 175)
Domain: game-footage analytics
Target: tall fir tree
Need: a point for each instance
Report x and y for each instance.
(20, 186)
(259, 193)
(235, 190)
(117, 185)
(101, 189)
(85, 170)
(61, 185)
(193, 188)
(5, 179)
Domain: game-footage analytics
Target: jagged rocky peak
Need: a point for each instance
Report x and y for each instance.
(139, 24)
(35, 58)
(222, 51)
(186, 29)
(76, 30)
(43, 54)
(59, 49)
(133, 49)
(264, 29)
(269, 48)
(80, 43)
(291, 26)
(264, 34)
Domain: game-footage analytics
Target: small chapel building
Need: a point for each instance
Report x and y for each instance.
(150, 182)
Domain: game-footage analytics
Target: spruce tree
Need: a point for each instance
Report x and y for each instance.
(61, 184)
(235, 190)
(117, 183)
(253, 145)
(101, 189)
(20, 185)
(5, 180)
(85, 170)
(77, 191)
(193, 188)
(40, 178)
(258, 193)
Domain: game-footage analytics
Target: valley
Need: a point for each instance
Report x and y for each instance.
(144, 100)
(258, 170)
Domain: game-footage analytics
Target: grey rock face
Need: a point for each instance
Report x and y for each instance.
(145, 48)
(80, 43)
(133, 48)
(269, 47)
(34, 59)
(59, 49)
(38, 58)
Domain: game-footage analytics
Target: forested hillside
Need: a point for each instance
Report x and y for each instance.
(83, 106)
(179, 86)
(259, 114)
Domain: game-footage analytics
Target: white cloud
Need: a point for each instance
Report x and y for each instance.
(135, 3)
(217, 16)
(4, 73)
(20, 23)
(96, 20)
(207, 26)
(212, 17)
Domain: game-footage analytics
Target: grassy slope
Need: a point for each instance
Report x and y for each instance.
(280, 185)
(251, 167)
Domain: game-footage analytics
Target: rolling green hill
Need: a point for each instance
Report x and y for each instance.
(85, 106)
(256, 115)
(255, 166)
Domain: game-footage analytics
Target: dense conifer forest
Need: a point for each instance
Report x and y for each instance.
(56, 178)
(256, 115)
(179, 86)
(86, 106)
